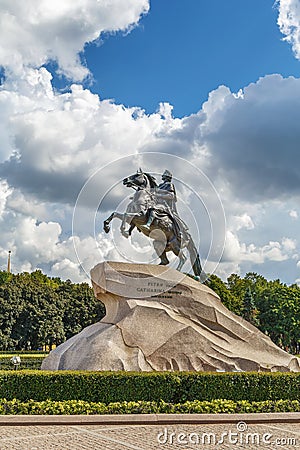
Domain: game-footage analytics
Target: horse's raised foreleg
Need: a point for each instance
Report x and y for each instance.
(114, 215)
(127, 218)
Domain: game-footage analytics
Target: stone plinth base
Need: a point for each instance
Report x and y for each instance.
(159, 319)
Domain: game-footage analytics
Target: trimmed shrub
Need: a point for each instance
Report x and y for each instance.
(252, 386)
(31, 361)
(171, 387)
(49, 407)
(106, 387)
(7, 353)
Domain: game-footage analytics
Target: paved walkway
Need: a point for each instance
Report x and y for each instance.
(197, 436)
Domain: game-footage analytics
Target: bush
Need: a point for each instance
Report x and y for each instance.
(251, 386)
(28, 361)
(171, 387)
(50, 407)
(24, 353)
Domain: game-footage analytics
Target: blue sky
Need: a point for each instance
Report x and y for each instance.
(91, 84)
(181, 51)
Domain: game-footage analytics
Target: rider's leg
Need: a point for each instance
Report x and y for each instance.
(150, 219)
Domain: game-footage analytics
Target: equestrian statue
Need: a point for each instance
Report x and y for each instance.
(153, 212)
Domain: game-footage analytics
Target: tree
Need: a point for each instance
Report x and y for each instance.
(38, 311)
(11, 304)
(239, 286)
(279, 307)
(231, 302)
(81, 308)
(5, 277)
(250, 312)
(39, 322)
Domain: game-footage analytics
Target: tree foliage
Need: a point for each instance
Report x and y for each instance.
(272, 306)
(231, 301)
(36, 310)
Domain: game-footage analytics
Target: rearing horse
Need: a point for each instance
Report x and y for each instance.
(164, 230)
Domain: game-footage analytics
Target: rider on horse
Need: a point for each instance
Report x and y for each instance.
(165, 195)
(154, 208)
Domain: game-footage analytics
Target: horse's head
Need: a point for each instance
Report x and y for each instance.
(140, 180)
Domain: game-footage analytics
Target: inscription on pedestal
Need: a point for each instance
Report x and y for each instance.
(158, 289)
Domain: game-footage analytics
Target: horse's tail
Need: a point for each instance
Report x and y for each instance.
(195, 260)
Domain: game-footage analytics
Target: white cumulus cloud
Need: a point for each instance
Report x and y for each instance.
(34, 32)
(253, 140)
(289, 23)
(237, 252)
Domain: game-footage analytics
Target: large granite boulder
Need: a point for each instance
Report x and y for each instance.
(159, 319)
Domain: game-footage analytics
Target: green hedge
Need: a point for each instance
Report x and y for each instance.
(24, 352)
(32, 362)
(49, 407)
(172, 387)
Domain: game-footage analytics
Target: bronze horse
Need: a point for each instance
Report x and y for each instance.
(165, 230)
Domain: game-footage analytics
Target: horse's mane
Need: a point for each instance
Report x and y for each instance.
(151, 180)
